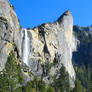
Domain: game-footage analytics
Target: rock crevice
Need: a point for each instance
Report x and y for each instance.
(46, 42)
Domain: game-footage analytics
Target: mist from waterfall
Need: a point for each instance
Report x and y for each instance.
(24, 46)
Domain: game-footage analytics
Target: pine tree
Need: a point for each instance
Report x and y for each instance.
(3, 82)
(78, 86)
(62, 82)
(10, 79)
(50, 89)
(42, 86)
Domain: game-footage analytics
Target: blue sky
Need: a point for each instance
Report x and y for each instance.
(32, 13)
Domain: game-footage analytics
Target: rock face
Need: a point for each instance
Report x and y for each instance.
(36, 47)
(9, 31)
(51, 41)
(84, 51)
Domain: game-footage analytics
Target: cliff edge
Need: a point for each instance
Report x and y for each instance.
(51, 43)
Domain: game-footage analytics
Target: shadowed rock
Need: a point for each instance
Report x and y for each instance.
(46, 42)
(50, 40)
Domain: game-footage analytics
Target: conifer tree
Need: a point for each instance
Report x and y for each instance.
(78, 86)
(62, 82)
(10, 78)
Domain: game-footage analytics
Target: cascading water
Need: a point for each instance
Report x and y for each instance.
(24, 46)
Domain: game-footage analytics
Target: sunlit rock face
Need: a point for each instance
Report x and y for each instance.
(35, 47)
(9, 31)
(49, 41)
(67, 41)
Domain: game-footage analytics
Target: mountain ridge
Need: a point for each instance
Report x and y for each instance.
(47, 45)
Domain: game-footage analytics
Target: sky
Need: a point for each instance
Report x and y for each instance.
(32, 13)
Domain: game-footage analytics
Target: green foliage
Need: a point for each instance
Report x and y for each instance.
(42, 86)
(10, 77)
(84, 78)
(28, 87)
(47, 67)
(2, 18)
(50, 89)
(78, 86)
(62, 82)
(36, 84)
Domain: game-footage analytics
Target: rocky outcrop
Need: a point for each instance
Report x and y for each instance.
(9, 31)
(84, 51)
(51, 41)
(36, 47)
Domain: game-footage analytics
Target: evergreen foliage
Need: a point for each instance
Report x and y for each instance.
(50, 89)
(62, 82)
(83, 78)
(78, 86)
(10, 77)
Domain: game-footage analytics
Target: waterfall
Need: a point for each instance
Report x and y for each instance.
(24, 45)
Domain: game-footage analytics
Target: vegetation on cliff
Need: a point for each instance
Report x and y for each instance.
(11, 79)
(83, 81)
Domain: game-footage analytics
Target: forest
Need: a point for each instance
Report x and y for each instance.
(11, 79)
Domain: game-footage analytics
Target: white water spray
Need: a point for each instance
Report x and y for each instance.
(24, 46)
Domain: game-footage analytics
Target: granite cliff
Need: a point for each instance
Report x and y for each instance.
(84, 51)
(9, 31)
(36, 47)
